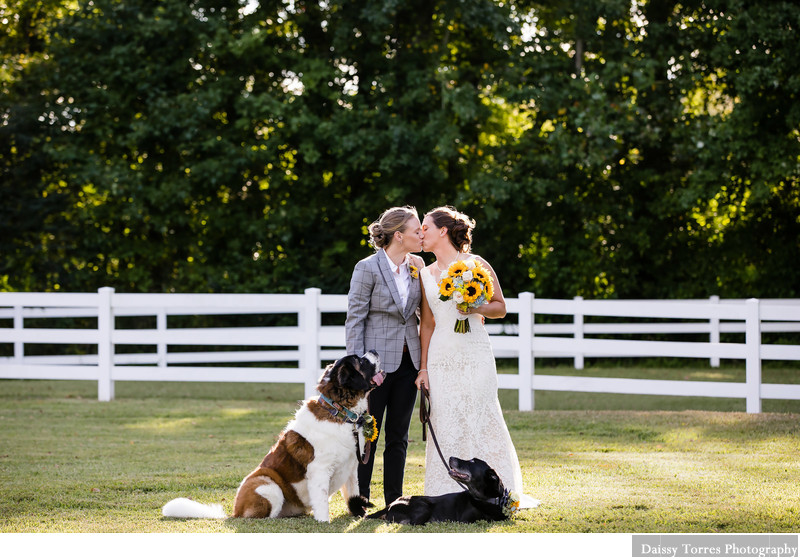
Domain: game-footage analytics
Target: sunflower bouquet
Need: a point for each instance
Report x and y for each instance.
(469, 285)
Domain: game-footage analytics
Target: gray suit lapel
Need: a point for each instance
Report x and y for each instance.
(413, 296)
(388, 277)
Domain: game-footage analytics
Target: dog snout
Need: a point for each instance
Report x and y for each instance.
(455, 462)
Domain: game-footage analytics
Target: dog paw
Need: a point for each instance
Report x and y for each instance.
(358, 505)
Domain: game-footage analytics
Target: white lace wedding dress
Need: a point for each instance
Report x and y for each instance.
(465, 412)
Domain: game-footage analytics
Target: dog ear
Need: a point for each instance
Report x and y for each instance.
(348, 369)
(492, 486)
(350, 376)
(326, 374)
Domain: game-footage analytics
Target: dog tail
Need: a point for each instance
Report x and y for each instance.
(358, 505)
(186, 508)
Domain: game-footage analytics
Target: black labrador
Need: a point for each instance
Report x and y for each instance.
(485, 498)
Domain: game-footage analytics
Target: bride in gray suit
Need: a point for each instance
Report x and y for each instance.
(381, 315)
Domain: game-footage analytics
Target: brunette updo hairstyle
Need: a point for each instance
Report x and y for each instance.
(381, 232)
(459, 226)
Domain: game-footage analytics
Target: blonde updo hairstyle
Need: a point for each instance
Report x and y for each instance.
(381, 232)
(459, 226)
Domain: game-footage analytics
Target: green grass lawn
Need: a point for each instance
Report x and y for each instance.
(599, 463)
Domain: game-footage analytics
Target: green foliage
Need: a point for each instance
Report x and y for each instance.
(648, 170)
(605, 149)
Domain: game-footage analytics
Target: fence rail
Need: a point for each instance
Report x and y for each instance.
(295, 351)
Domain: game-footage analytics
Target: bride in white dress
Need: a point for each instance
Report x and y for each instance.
(459, 368)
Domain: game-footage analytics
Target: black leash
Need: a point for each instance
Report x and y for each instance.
(367, 447)
(425, 418)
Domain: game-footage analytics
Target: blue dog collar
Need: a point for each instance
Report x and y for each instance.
(337, 410)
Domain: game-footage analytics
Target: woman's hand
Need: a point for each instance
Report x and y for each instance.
(468, 311)
(473, 310)
(422, 379)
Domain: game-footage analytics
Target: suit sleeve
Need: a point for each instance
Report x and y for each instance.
(358, 300)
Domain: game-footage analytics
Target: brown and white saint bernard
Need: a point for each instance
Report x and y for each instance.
(316, 455)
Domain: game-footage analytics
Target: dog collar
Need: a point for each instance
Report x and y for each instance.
(363, 421)
(509, 502)
(337, 410)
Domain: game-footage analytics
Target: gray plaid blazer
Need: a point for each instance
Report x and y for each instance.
(374, 317)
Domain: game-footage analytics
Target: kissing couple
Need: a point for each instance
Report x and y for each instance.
(427, 335)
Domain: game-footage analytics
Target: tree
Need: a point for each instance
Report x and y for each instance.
(607, 149)
(29, 209)
(639, 172)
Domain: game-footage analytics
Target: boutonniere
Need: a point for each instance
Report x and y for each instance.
(414, 271)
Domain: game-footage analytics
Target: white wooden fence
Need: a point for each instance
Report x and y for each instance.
(301, 349)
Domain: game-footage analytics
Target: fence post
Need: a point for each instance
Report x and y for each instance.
(19, 326)
(713, 335)
(526, 364)
(753, 356)
(161, 327)
(310, 354)
(578, 323)
(105, 345)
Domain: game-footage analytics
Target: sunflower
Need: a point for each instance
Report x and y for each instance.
(446, 288)
(472, 291)
(489, 288)
(481, 274)
(457, 268)
(370, 428)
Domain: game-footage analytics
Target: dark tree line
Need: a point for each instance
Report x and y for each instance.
(606, 149)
